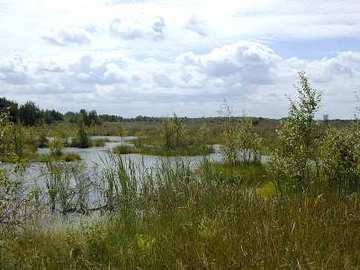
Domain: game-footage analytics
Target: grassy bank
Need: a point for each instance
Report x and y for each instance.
(160, 151)
(199, 221)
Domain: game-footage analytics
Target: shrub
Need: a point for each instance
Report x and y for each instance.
(10, 200)
(230, 135)
(6, 142)
(124, 149)
(295, 160)
(173, 133)
(249, 142)
(42, 139)
(241, 142)
(340, 156)
(72, 157)
(98, 142)
(82, 140)
(56, 146)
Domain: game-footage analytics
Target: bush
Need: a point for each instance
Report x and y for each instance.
(11, 201)
(125, 149)
(340, 156)
(71, 157)
(42, 139)
(295, 162)
(56, 146)
(82, 140)
(173, 133)
(241, 142)
(98, 142)
(12, 140)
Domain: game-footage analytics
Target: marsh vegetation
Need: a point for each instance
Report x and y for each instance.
(281, 195)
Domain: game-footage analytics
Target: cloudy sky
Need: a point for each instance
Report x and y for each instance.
(156, 57)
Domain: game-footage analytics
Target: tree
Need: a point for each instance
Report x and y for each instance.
(294, 160)
(29, 114)
(10, 108)
(51, 116)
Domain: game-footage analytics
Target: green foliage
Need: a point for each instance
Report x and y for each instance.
(56, 146)
(243, 174)
(82, 139)
(18, 140)
(176, 139)
(173, 133)
(60, 194)
(241, 142)
(230, 134)
(6, 143)
(340, 159)
(10, 200)
(12, 140)
(119, 185)
(125, 149)
(42, 138)
(29, 114)
(10, 108)
(295, 160)
(177, 216)
(249, 142)
(176, 220)
(98, 142)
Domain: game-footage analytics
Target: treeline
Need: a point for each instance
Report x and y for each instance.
(29, 114)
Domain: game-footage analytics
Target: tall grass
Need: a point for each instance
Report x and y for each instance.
(178, 219)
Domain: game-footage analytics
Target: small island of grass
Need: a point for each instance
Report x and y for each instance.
(173, 138)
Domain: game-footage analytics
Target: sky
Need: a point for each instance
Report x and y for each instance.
(158, 57)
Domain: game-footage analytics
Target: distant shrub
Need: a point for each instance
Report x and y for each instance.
(241, 142)
(82, 139)
(56, 146)
(42, 139)
(98, 142)
(72, 157)
(124, 149)
(173, 133)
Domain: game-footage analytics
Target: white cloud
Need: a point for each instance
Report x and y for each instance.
(247, 73)
(14, 71)
(163, 81)
(140, 28)
(244, 61)
(146, 52)
(69, 36)
(198, 26)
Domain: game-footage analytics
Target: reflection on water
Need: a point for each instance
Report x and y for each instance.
(93, 159)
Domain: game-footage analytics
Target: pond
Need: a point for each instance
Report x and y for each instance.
(93, 163)
(94, 157)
